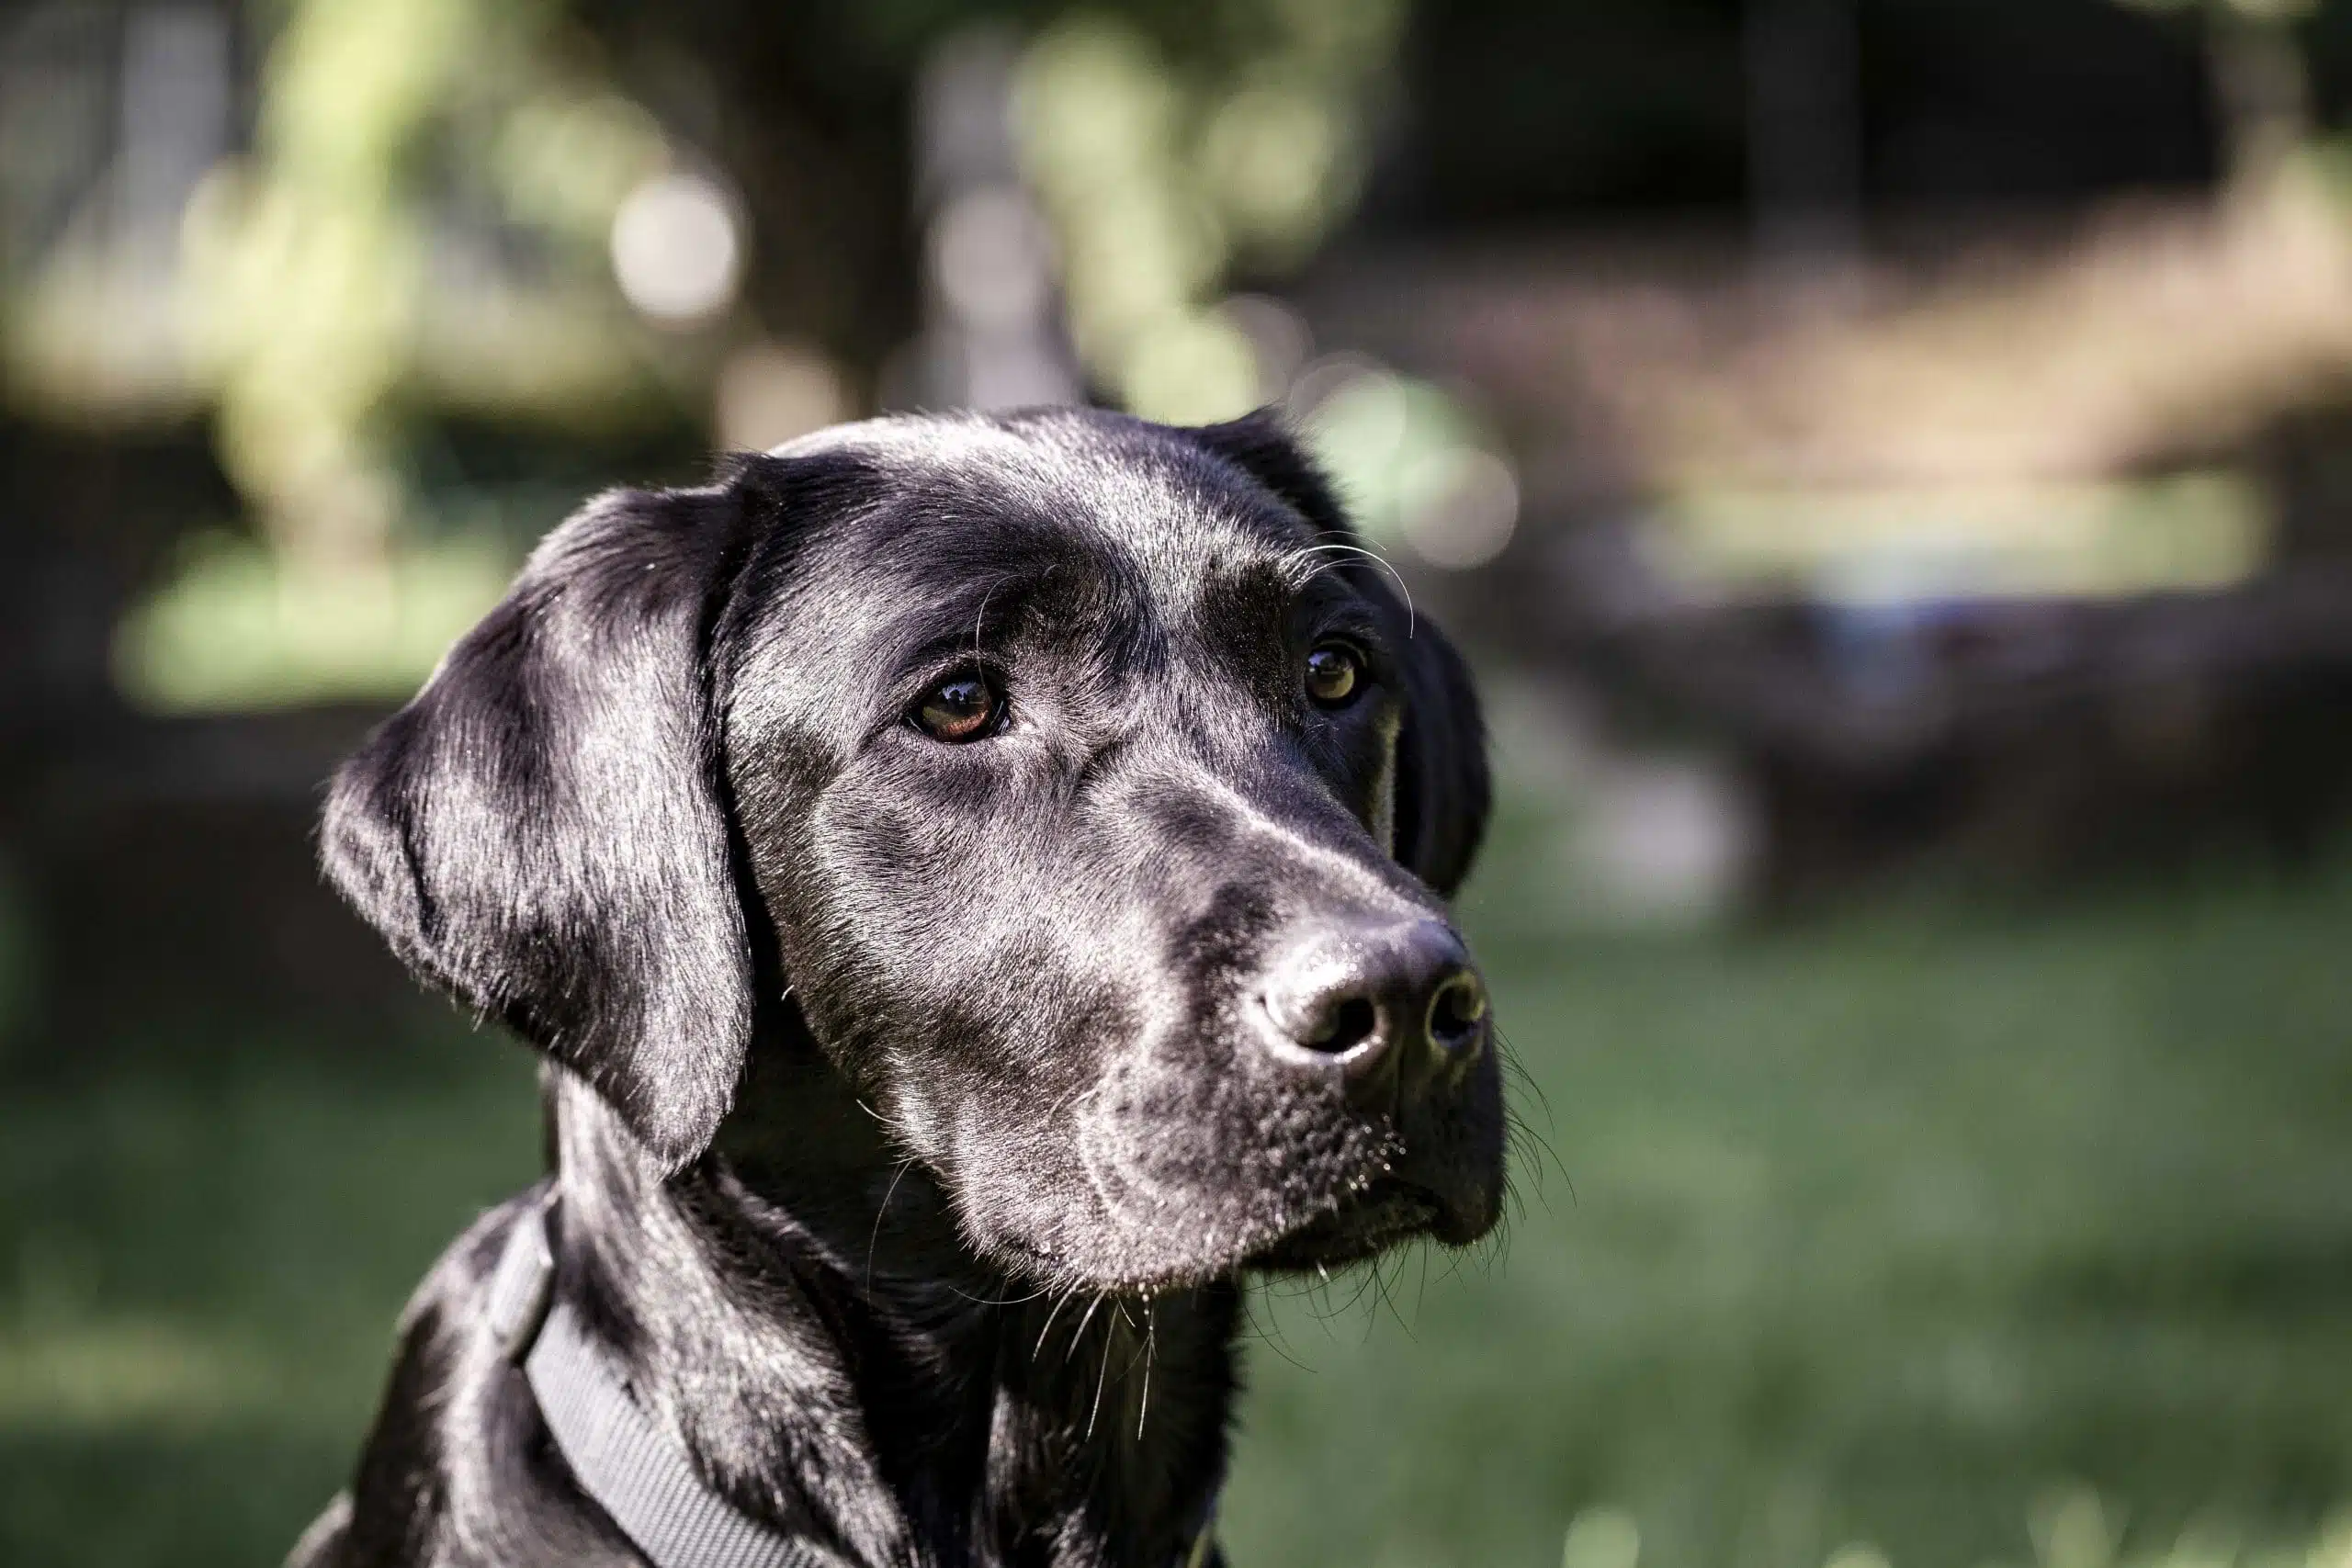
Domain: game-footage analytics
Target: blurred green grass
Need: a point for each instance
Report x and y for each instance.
(1881, 1228)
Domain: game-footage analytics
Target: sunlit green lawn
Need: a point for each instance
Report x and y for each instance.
(1890, 1229)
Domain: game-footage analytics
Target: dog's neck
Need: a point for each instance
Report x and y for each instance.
(800, 1306)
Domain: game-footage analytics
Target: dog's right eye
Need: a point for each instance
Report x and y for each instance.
(1334, 670)
(964, 706)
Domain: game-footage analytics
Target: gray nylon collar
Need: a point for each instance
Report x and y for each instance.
(636, 1471)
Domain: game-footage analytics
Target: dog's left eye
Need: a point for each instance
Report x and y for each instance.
(1334, 671)
(964, 706)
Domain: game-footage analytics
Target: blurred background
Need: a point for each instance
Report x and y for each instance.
(1887, 458)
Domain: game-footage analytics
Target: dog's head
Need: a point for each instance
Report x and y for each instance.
(1079, 781)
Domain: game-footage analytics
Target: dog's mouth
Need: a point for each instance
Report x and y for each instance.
(1387, 1214)
(1194, 1181)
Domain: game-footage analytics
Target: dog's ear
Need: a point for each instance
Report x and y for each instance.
(1442, 790)
(539, 832)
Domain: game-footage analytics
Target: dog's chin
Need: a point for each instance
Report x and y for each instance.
(1389, 1214)
(1154, 1209)
(1386, 1213)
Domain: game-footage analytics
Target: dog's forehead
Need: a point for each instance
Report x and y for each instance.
(1157, 504)
(1103, 531)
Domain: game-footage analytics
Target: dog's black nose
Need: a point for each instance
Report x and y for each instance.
(1378, 1000)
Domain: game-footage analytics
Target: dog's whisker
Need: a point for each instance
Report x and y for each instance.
(1520, 1138)
(1150, 1344)
(1078, 1334)
(980, 621)
(1388, 1299)
(1323, 1309)
(875, 1239)
(1099, 1378)
(1517, 1068)
(1271, 1335)
(1367, 1285)
(1352, 551)
(1454, 1254)
(1060, 1302)
(1377, 1297)
(1037, 1294)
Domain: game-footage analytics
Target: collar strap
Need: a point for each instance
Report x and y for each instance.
(638, 1472)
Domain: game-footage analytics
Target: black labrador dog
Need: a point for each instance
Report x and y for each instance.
(977, 884)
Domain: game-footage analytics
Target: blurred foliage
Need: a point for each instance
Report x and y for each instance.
(2084, 540)
(1417, 463)
(423, 222)
(418, 230)
(232, 629)
(310, 270)
(313, 270)
(1165, 174)
(2253, 10)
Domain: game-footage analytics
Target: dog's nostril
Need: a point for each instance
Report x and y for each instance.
(1345, 1023)
(1389, 1006)
(1458, 1010)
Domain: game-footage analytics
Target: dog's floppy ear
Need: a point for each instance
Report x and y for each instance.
(538, 833)
(1442, 792)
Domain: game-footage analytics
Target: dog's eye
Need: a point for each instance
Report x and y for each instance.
(964, 706)
(1334, 670)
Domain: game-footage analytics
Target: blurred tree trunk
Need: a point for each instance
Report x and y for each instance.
(2261, 81)
(2262, 86)
(1804, 132)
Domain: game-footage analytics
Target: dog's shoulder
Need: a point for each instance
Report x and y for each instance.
(459, 1470)
(321, 1545)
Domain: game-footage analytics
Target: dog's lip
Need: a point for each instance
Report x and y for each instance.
(1386, 1212)
(1144, 1235)
(1377, 1217)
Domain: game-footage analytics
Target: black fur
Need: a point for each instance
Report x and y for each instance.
(914, 1112)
